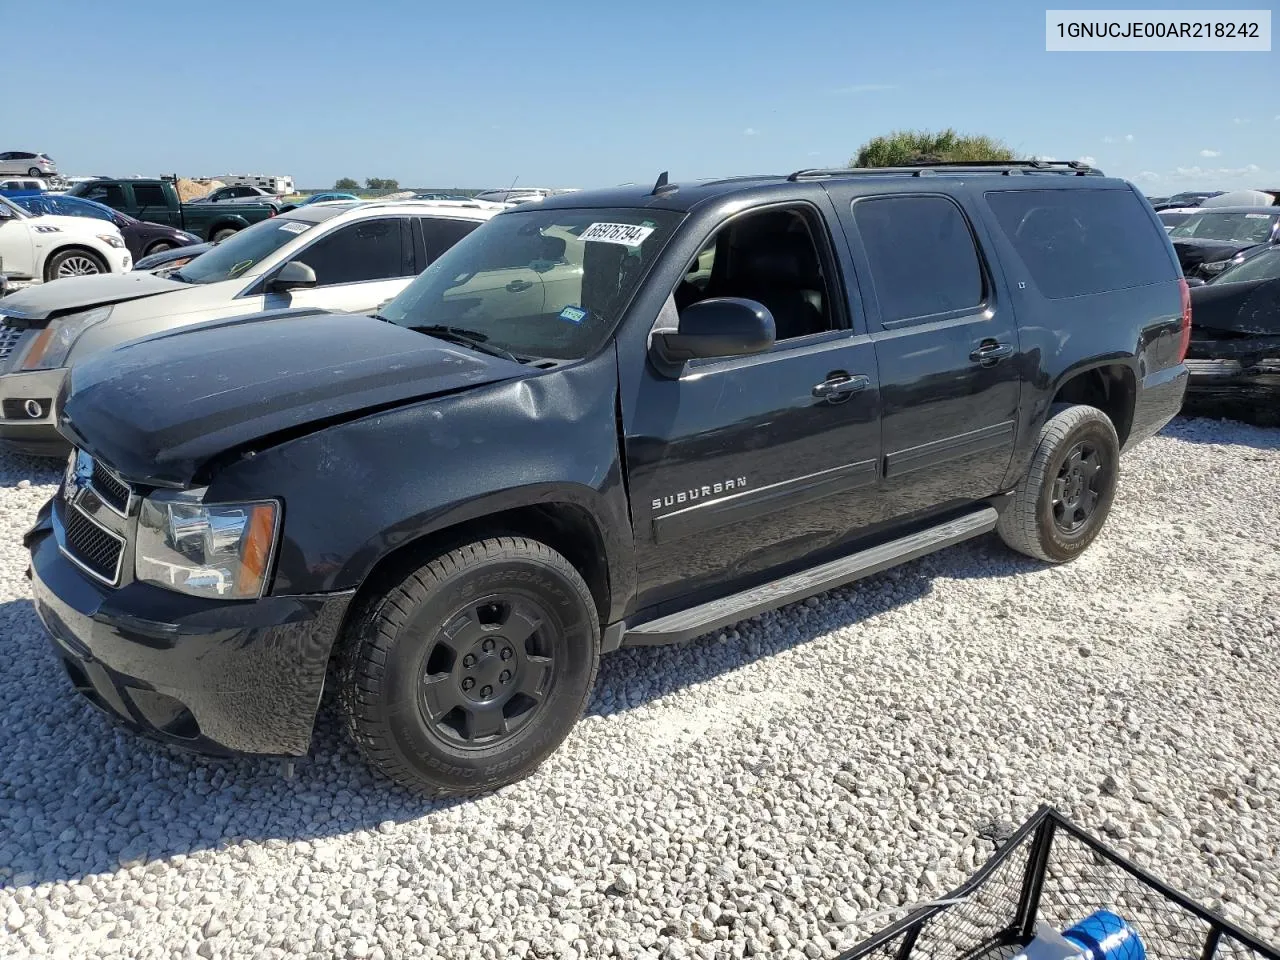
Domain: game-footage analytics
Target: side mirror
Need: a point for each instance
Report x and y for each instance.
(5, 212)
(293, 275)
(1194, 282)
(719, 327)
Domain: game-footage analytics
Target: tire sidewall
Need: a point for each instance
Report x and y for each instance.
(1063, 546)
(54, 263)
(575, 649)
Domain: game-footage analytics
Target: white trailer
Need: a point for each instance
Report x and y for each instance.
(280, 186)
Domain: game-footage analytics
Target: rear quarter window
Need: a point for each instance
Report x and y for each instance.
(1080, 242)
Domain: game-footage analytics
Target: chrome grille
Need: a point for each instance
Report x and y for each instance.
(93, 549)
(9, 337)
(113, 491)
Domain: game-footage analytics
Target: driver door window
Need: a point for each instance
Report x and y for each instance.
(775, 257)
(361, 252)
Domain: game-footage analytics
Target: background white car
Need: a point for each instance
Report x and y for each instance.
(350, 257)
(27, 164)
(48, 248)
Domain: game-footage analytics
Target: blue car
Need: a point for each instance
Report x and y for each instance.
(13, 187)
(318, 197)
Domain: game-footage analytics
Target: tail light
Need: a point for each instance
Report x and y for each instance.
(1185, 337)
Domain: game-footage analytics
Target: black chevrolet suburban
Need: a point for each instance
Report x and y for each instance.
(611, 418)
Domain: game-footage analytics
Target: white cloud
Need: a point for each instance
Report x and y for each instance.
(1240, 120)
(1148, 176)
(1128, 138)
(1217, 173)
(1089, 160)
(867, 88)
(1108, 139)
(750, 132)
(815, 153)
(1210, 153)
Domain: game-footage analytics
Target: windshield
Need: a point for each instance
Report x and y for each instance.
(539, 283)
(1263, 266)
(237, 254)
(1235, 227)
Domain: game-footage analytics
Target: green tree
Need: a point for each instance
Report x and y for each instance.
(347, 183)
(921, 146)
(381, 183)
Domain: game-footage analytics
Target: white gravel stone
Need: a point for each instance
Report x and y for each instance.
(860, 749)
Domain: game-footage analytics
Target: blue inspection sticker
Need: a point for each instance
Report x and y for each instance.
(573, 314)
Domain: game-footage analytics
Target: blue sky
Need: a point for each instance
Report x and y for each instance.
(595, 93)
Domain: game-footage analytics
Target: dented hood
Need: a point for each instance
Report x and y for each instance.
(159, 408)
(80, 293)
(1250, 307)
(1192, 253)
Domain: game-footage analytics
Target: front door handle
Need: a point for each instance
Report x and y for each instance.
(518, 286)
(991, 352)
(840, 385)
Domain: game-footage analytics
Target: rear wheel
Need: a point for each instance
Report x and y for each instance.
(1062, 502)
(73, 263)
(469, 672)
(34, 172)
(222, 233)
(160, 246)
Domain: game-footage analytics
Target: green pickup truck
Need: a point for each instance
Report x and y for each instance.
(156, 201)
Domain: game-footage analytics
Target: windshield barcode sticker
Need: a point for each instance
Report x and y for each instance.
(293, 226)
(627, 234)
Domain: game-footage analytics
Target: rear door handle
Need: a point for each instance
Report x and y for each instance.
(518, 286)
(991, 353)
(840, 385)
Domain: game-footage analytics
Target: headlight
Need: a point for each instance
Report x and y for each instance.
(220, 550)
(111, 240)
(55, 341)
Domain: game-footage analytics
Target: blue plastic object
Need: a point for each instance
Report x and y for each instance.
(1105, 936)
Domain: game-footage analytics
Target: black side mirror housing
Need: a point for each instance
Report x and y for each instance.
(719, 327)
(294, 275)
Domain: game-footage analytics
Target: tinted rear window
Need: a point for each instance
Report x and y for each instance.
(1078, 242)
(923, 261)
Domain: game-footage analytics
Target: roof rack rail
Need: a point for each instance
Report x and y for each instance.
(1004, 167)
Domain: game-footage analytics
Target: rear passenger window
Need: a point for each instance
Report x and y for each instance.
(441, 234)
(923, 261)
(1078, 242)
(149, 195)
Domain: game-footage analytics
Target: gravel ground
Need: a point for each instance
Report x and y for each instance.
(760, 791)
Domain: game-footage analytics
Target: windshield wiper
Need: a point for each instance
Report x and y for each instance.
(463, 337)
(468, 338)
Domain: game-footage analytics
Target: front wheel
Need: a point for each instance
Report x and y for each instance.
(1061, 503)
(222, 233)
(160, 246)
(472, 670)
(73, 263)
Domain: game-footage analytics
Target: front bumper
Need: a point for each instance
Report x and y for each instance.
(26, 413)
(1236, 369)
(225, 678)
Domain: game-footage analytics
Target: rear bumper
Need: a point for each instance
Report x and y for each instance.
(1159, 399)
(216, 677)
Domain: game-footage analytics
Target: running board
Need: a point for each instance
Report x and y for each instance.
(687, 624)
